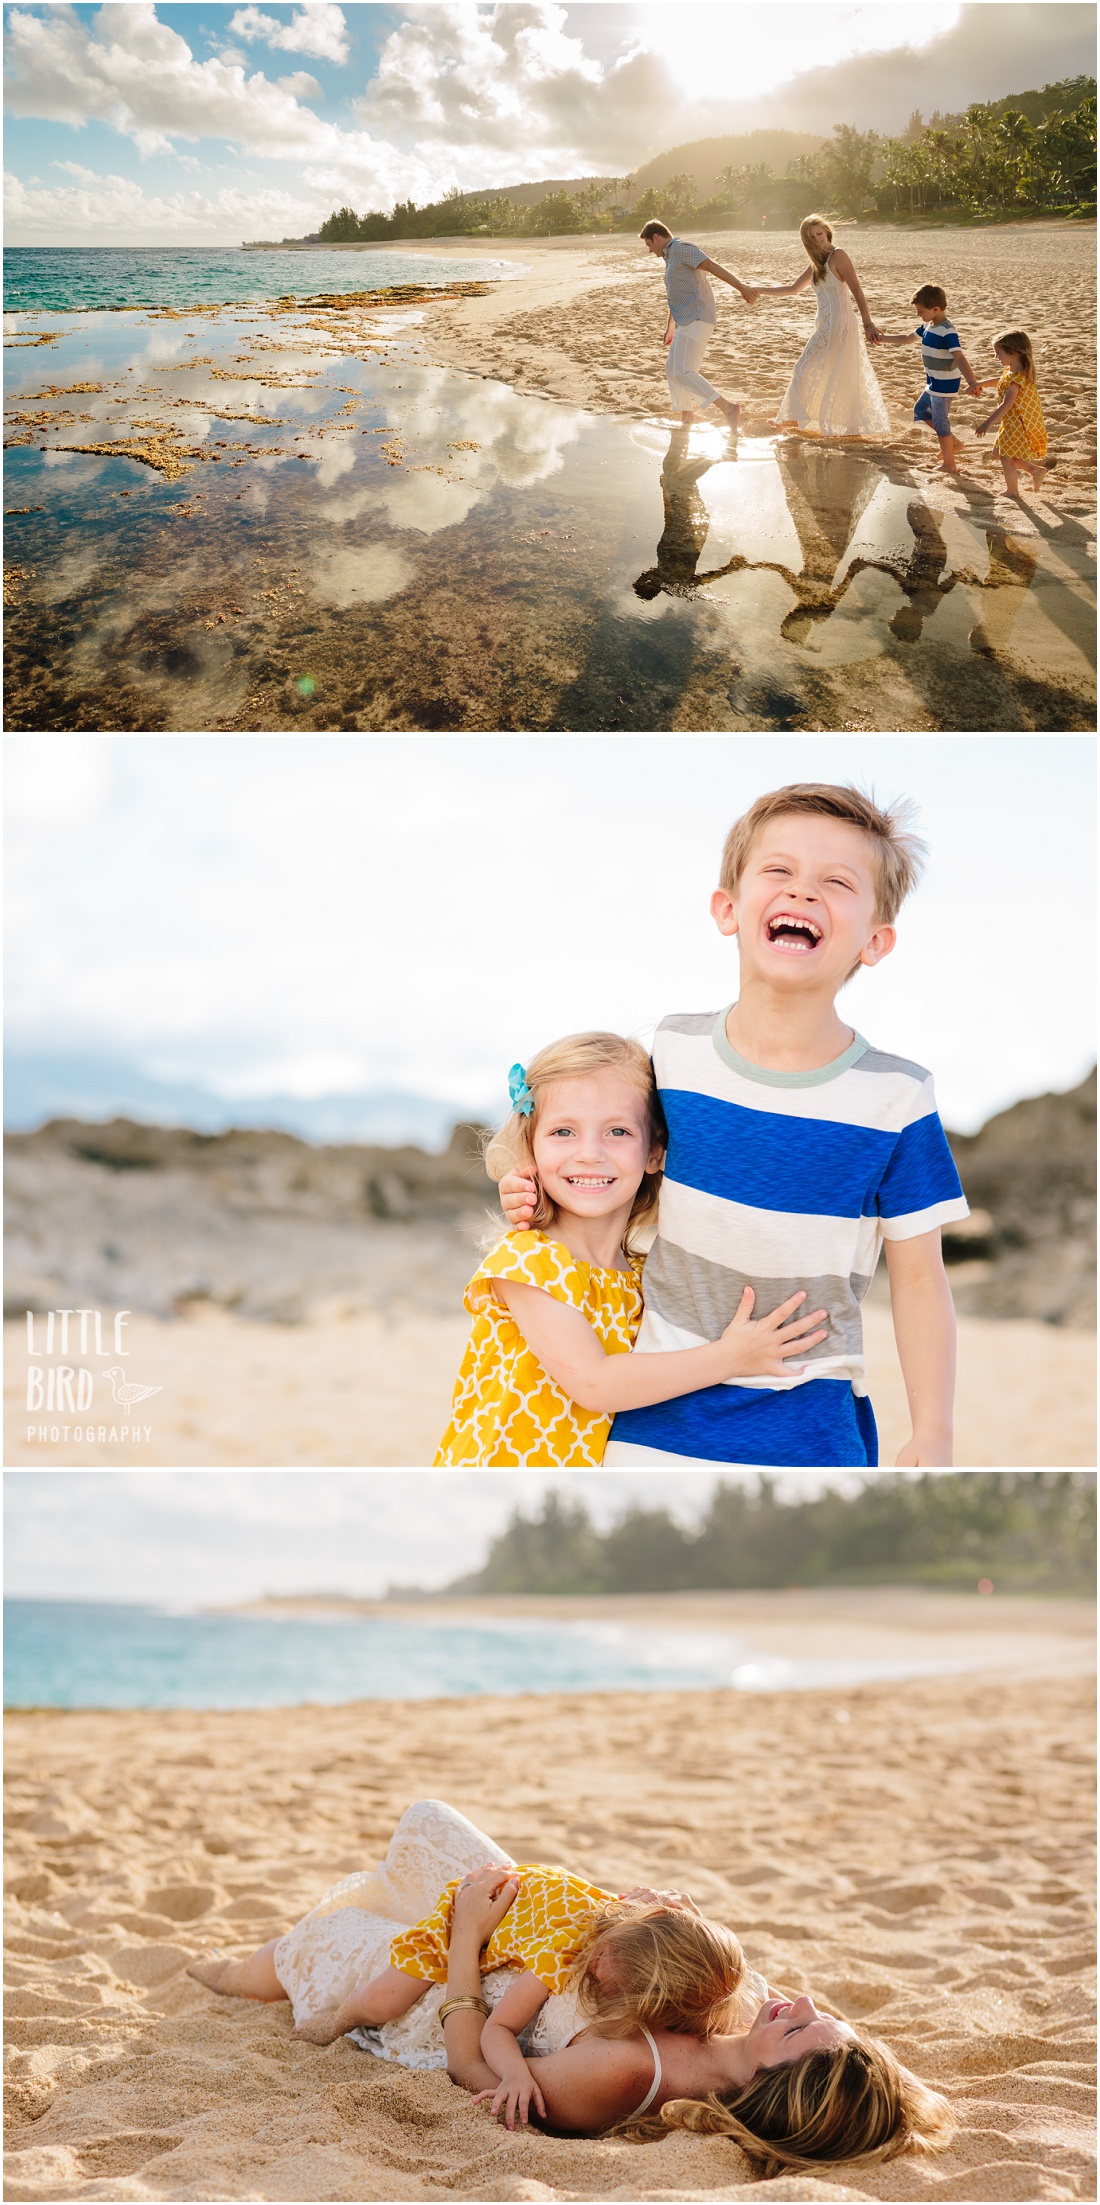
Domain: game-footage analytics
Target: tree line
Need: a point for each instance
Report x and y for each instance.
(1031, 154)
(1032, 1531)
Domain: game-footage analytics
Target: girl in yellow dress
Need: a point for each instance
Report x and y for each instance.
(636, 1960)
(1022, 437)
(557, 1306)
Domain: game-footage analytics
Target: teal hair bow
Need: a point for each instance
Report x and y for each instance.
(522, 1098)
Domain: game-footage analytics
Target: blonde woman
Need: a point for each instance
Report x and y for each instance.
(791, 2085)
(834, 390)
(557, 1306)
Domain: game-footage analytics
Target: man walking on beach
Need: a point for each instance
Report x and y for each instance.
(691, 317)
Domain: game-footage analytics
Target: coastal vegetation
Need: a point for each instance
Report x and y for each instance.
(1021, 1531)
(1029, 154)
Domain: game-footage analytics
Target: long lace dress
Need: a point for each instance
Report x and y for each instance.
(834, 390)
(347, 1937)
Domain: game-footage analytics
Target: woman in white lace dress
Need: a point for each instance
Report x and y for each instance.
(834, 390)
(793, 2086)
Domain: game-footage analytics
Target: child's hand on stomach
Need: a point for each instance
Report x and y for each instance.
(758, 1348)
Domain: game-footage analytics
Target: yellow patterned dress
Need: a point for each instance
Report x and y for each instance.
(1023, 432)
(507, 1411)
(545, 1930)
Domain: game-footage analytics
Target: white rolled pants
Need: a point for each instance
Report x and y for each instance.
(689, 390)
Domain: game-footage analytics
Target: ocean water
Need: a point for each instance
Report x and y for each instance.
(84, 1654)
(80, 278)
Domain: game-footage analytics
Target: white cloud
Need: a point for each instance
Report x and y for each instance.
(300, 86)
(117, 209)
(133, 72)
(317, 28)
(510, 81)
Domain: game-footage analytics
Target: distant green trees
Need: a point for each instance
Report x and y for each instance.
(1033, 153)
(1026, 1530)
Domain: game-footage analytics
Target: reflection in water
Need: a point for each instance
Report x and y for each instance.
(340, 541)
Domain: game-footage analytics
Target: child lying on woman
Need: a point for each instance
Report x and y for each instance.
(641, 1960)
(557, 1307)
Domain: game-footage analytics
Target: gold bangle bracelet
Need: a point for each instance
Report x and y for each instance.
(451, 2005)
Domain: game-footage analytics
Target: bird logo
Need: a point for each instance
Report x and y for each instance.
(125, 1392)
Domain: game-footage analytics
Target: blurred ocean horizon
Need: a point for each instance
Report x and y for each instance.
(74, 1654)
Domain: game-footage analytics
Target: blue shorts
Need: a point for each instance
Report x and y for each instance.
(934, 406)
(825, 1426)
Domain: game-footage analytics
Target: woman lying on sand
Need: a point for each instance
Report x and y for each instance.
(792, 2086)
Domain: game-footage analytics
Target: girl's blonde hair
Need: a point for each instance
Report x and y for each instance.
(819, 260)
(854, 2103)
(578, 1057)
(670, 1969)
(1017, 341)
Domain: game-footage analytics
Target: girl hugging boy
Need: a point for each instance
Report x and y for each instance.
(557, 1307)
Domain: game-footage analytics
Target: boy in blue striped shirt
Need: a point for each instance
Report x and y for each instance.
(945, 364)
(796, 1152)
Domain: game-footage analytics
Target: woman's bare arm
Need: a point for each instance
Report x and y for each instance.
(784, 290)
(479, 1906)
(842, 267)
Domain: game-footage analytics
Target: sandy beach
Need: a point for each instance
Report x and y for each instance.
(369, 1392)
(916, 1853)
(585, 325)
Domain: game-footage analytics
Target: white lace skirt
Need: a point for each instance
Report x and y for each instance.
(347, 1937)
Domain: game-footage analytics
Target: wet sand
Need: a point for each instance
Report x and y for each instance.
(471, 513)
(585, 325)
(917, 1854)
(366, 1392)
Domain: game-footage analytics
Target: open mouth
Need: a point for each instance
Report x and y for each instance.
(576, 1181)
(795, 936)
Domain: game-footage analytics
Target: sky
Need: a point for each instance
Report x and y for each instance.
(139, 124)
(321, 914)
(203, 1537)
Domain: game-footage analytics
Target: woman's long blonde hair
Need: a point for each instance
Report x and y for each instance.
(819, 260)
(670, 1969)
(853, 2104)
(578, 1057)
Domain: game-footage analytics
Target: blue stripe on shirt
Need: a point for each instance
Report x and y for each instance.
(809, 1165)
(824, 1426)
(920, 1172)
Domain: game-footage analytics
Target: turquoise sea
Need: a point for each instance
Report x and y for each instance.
(61, 1653)
(77, 278)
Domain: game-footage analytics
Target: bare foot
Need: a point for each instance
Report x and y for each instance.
(217, 1973)
(730, 414)
(324, 2028)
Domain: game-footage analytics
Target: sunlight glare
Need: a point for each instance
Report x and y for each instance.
(738, 52)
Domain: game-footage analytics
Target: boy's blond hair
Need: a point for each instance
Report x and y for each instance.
(670, 1969)
(899, 854)
(578, 1056)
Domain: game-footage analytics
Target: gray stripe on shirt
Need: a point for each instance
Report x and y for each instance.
(702, 1297)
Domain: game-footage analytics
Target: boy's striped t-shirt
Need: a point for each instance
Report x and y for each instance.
(779, 1181)
(938, 340)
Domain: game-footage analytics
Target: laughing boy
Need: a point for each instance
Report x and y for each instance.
(796, 1151)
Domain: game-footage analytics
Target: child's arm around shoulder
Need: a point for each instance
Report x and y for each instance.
(924, 1328)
